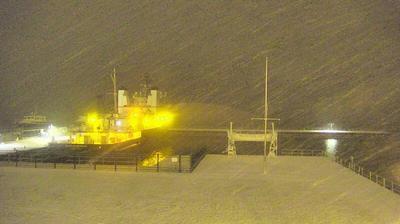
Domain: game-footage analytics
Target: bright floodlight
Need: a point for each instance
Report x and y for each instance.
(119, 123)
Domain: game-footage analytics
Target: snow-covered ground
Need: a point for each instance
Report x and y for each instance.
(220, 190)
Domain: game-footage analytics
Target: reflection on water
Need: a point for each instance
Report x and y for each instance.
(331, 146)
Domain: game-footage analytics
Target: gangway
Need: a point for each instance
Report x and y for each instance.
(271, 136)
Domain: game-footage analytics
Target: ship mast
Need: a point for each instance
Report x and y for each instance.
(114, 80)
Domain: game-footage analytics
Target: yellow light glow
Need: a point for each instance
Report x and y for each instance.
(104, 138)
(152, 159)
(135, 118)
(165, 118)
(93, 121)
(161, 119)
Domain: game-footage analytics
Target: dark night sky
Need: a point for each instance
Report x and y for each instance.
(330, 61)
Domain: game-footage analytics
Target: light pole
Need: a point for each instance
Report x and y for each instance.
(265, 118)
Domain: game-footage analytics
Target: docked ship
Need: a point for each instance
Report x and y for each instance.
(132, 114)
(32, 125)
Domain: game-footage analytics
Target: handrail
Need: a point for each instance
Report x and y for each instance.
(299, 152)
(372, 176)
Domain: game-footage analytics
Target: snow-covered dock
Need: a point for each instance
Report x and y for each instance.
(220, 190)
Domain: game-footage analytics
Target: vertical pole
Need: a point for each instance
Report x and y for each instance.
(115, 165)
(370, 175)
(158, 162)
(114, 80)
(35, 163)
(8, 157)
(230, 139)
(74, 160)
(16, 158)
(265, 114)
(266, 88)
(136, 163)
(265, 145)
(180, 164)
(272, 136)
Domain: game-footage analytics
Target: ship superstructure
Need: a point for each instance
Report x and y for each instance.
(132, 113)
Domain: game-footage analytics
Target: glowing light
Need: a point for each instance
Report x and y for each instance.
(92, 118)
(152, 160)
(53, 134)
(331, 145)
(164, 118)
(118, 123)
(161, 119)
(93, 121)
(104, 138)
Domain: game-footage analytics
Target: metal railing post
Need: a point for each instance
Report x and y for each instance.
(180, 163)
(115, 165)
(136, 163)
(35, 163)
(16, 158)
(158, 162)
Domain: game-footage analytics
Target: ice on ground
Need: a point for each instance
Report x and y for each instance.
(220, 190)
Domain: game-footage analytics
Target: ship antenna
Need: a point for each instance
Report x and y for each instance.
(114, 80)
